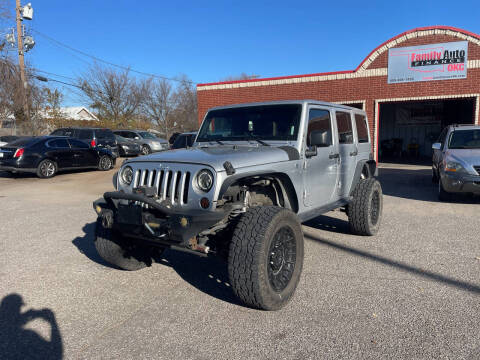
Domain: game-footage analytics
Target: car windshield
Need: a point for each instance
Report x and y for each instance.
(267, 122)
(465, 139)
(147, 135)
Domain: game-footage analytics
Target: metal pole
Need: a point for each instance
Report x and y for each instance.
(21, 61)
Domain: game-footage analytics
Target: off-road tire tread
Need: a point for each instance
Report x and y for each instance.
(244, 253)
(358, 209)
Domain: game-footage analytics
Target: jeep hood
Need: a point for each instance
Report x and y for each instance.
(239, 156)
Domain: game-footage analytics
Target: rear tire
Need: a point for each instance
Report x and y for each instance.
(105, 163)
(365, 210)
(47, 169)
(265, 259)
(118, 251)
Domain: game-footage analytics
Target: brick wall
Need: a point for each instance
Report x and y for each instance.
(366, 88)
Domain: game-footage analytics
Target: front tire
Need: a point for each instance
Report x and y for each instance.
(146, 150)
(266, 257)
(47, 169)
(442, 194)
(365, 210)
(118, 251)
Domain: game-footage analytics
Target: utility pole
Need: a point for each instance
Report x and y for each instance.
(21, 61)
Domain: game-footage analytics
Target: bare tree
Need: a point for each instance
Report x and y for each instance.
(160, 103)
(186, 114)
(242, 76)
(115, 95)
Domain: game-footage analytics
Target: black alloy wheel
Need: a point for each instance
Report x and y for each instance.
(282, 259)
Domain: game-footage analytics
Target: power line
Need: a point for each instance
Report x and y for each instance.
(105, 61)
(53, 74)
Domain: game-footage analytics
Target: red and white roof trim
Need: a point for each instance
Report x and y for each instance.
(362, 70)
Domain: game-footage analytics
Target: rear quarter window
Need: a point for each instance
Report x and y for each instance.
(362, 128)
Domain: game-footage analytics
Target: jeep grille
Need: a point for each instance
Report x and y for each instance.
(171, 185)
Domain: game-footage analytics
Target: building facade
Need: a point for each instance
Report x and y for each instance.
(411, 86)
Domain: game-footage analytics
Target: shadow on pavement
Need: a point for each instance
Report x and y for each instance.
(209, 275)
(462, 285)
(331, 224)
(86, 245)
(415, 184)
(19, 342)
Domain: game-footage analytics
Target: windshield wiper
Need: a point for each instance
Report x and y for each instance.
(253, 137)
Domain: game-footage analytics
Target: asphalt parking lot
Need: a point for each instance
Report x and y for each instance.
(411, 292)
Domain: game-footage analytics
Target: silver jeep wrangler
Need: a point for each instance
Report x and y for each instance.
(253, 175)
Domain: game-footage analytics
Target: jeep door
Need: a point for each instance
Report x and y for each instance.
(347, 149)
(321, 159)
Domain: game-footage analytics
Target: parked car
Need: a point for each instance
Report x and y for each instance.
(148, 142)
(4, 140)
(95, 137)
(172, 138)
(255, 173)
(184, 140)
(46, 155)
(456, 161)
(127, 147)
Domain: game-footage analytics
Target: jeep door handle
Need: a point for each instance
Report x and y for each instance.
(333, 156)
(354, 153)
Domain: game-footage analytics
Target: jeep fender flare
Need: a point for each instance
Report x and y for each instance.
(281, 179)
(371, 167)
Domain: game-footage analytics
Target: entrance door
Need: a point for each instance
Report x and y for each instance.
(321, 165)
(348, 150)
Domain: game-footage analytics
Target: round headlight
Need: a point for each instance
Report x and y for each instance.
(127, 175)
(205, 180)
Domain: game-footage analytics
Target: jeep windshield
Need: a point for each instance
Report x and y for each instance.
(465, 139)
(252, 123)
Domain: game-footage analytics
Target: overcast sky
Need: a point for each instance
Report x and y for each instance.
(211, 40)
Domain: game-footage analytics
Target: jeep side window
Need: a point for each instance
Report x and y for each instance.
(344, 126)
(319, 122)
(362, 129)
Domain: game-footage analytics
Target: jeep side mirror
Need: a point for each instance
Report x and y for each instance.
(321, 138)
(311, 151)
(437, 146)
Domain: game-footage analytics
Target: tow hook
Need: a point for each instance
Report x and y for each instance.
(107, 218)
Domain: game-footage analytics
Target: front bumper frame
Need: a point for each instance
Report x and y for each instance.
(145, 218)
(460, 183)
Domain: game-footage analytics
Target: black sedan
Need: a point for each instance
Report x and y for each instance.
(46, 155)
(127, 147)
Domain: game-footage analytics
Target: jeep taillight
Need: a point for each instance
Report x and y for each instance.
(19, 152)
(93, 143)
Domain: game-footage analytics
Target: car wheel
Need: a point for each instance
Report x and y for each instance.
(146, 150)
(442, 194)
(118, 251)
(105, 163)
(365, 210)
(47, 169)
(265, 258)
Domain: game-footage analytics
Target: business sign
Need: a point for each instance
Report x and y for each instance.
(428, 62)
